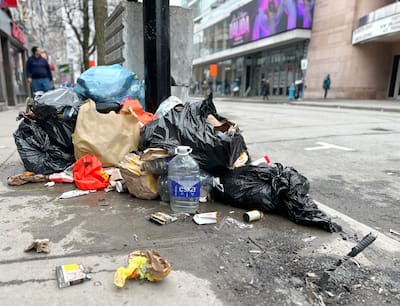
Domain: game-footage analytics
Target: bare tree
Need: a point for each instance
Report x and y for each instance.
(78, 18)
(100, 15)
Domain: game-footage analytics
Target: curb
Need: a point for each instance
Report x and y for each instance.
(313, 104)
(341, 106)
(384, 241)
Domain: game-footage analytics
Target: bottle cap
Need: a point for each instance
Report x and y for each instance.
(183, 150)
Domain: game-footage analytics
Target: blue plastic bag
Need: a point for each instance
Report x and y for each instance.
(109, 84)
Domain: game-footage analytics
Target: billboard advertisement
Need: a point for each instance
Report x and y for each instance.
(263, 18)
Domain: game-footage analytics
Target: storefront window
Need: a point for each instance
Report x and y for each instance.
(2, 80)
(17, 68)
(281, 66)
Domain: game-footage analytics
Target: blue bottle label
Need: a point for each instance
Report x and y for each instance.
(185, 189)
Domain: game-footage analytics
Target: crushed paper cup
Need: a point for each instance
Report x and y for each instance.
(206, 218)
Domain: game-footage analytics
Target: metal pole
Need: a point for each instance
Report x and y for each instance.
(157, 69)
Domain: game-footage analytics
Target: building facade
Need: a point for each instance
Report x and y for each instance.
(13, 85)
(357, 42)
(249, 41)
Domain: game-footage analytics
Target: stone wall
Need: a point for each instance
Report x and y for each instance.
(357, 72)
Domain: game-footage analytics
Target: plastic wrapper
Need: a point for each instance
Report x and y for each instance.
(109, 84)
(39, 152)
(213, 149)
(167, 105)
(89, 174)
(62, 103)
(148, 265)
(274, 189)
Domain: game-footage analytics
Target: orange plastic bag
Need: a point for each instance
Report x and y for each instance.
(134, 105)
(89, 174)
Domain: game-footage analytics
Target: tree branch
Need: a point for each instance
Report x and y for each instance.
(68, 11)
(92, 46)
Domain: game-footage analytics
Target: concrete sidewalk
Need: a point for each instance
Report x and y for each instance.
(371, 105)
(226, 264)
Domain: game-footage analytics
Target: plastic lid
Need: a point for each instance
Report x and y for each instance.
(183, 150)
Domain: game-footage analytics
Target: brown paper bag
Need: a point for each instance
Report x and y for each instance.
(141, 184)
(108, 136)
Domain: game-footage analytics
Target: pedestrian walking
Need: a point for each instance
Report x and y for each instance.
(300, 88)
(204, 88)
(326, 85)
(265, 88)
(236, 87)
(38, 72)
(292, 90)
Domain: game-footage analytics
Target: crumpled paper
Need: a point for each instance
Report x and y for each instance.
(26, 177)
(40, 245)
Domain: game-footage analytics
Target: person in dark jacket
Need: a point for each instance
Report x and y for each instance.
(326, 85)
(265, 88)
(38, 72)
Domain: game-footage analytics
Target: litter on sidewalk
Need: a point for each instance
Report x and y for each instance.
(40, 245)
(206, 218)
(252, 215)
(26, 177)
(148, 265)
(110, 126)
(75, 193)
(162, 218)
(72, 274)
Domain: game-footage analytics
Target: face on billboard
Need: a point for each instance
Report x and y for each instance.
(263, 18)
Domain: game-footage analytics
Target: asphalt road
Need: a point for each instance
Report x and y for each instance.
(360, 178)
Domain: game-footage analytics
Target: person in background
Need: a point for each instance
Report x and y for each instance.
(300, 88)
(265, 89)
(236, 88)
(326, 85)
(292, 89)
(38, 72)
(204, 88)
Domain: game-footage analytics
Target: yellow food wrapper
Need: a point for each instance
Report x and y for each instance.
(143, 265)
(131, 271)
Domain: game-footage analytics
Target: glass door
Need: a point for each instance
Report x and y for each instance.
(394, 83)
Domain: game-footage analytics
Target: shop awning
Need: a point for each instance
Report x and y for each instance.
(382, 25)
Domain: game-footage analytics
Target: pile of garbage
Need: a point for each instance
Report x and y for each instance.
(100, 136)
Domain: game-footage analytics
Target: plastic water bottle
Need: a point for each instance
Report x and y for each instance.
(184, 181)
(163, 188)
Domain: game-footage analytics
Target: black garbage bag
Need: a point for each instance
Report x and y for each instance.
(215, 151)
(38, 151)
(59, 132)
(61, 102)
(274, 189)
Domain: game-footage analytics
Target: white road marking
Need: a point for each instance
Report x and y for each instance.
(326, 146)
